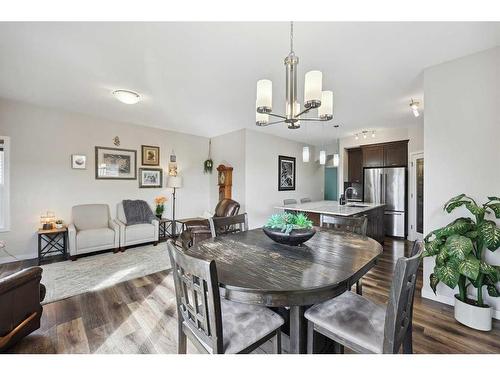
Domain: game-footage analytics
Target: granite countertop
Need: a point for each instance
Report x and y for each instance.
(331, 208)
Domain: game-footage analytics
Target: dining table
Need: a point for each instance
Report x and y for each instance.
(253, 269)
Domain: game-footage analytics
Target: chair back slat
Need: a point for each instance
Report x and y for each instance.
(399, 309)
(347, 224)
(230, 224)
(198, 298)
(286, 202)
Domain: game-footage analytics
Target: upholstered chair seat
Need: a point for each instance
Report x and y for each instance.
(352, 320)
(137, 233)
(92, 230)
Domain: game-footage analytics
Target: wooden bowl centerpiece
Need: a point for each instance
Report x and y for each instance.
(289, 229)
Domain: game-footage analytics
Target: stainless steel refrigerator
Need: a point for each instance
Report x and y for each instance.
(388, 186)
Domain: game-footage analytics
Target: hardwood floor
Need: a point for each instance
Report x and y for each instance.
(138, 316)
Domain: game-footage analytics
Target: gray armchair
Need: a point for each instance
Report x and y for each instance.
(92, 230)
(137, 233)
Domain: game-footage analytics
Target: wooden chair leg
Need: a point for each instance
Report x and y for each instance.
(359, 287)
(310, 337)
(181, 341)
(277, 342)
(408, 341)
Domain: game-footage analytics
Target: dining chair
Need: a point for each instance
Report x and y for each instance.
(356, 225)
(286, 202)
(365, 327)
(215, 325)
(305, 200)
(408, 342)
(230, 224)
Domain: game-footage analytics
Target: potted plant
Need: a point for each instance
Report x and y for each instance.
(160, 205)
(460, 261)
(59, 224)
(209, 163)
(289, 229)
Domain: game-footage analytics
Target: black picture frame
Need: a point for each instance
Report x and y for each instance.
(101, 171)
(144, 185)
(286, 166)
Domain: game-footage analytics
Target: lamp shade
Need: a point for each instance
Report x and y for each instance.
(174, 182)
(336, 160)
(325, 111)
(313, 87)
(322, 157)
(305, 154)
(264, 94)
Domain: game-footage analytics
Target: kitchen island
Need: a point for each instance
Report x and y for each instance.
(318, 210)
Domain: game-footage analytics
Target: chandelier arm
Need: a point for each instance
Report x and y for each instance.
(314, 119)
(301, 113)
(274, 122)
(276, 115)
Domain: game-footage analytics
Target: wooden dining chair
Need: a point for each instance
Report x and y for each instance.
(363, 326)
(286, 202)
(305, 200)
(212, 324)
(230, 224)
(356, 225)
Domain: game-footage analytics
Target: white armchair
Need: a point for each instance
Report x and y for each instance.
(137, 233)
(92, 230)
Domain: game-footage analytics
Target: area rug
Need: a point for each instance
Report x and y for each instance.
(95, 272)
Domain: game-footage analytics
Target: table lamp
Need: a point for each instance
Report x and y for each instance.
(174, 182)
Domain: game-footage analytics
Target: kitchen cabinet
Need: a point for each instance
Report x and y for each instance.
(355, 165)
(396, 154)
(373, 156)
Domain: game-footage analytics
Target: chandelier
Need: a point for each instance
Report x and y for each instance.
(314, 97)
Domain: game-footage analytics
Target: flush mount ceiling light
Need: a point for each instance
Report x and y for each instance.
(314, 96)
(364, 134)
(414, 107)
(127, 96)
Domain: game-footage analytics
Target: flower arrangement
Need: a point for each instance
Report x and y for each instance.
(287, 222)
(160, 205)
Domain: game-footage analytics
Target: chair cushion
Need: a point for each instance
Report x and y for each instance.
(95, 237)
(91, 216)
(139, 232)
(244, 324)
(353, 320)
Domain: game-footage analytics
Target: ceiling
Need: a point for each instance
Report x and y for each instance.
(200, 78)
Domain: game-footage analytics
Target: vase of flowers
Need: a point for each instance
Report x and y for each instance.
(160, 205)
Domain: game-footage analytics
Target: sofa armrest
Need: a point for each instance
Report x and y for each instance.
(72, 239)
(122, 227)
(197, 224)
(21, 279)
(114, 226)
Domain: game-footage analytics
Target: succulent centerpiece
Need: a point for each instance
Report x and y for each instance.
(289, 228)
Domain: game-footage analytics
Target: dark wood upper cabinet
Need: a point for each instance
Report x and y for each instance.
(396, 154)
(373, 156)
(355, 165)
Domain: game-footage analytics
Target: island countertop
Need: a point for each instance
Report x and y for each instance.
(331, 208)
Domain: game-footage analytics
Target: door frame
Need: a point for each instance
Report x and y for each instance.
(412, 214)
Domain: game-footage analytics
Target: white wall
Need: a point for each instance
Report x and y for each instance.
(262, 195)
(42, 141)
(462, 138)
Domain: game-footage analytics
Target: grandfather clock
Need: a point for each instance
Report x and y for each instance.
(225, 181)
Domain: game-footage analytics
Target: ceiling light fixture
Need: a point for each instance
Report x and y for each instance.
(364, 134)
(414, 107)
(127, 96)
(314, 96)
(305, 154)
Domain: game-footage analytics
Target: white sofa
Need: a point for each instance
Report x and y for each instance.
(137, 233)
(92, 230)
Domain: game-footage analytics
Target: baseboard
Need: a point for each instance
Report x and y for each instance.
(8, 259)
(429, 294)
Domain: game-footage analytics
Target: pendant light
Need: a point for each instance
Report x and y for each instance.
(305, 154)
(322, 153)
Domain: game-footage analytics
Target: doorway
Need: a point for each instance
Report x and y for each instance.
(417, 196)
(331, 192)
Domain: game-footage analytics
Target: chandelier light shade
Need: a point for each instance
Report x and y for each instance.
(336, 160)
(261, 119)
(322, 157)
(305, 154)
(325, 111)
(264, 96)
(313, 96)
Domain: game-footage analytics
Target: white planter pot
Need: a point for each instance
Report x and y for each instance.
(473, 316)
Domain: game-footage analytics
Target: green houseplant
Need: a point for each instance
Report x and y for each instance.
(289, 228)
(459, 250)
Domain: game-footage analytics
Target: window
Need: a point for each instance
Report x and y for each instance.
(4, 184)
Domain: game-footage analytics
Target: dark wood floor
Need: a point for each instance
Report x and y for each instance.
(138, 316)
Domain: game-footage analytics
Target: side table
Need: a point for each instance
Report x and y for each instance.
(165, 230)
(52, 242)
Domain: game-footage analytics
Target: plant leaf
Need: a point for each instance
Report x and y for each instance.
(434, 281)
(442, 257)
(475, 209)
(490, 234)
(458, 246)
(495, 207)
(472, 234)
(452, 205)
(454, 199)
(433, 247)
(469, 267)
(494, 198)
(447, 275)
(492, 290)
(461, 225)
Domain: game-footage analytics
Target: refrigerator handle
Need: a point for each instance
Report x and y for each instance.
(385, 186)
(382, 192)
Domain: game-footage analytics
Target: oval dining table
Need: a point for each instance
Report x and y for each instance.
(254, 269)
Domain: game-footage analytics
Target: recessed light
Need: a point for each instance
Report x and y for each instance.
(127, 96)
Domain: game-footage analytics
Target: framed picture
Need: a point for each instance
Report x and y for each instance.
(115, 164)
(150, 177)
(78, 161)
(150, 155)
(286, 173)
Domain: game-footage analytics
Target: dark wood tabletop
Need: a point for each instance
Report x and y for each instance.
(254, 269)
